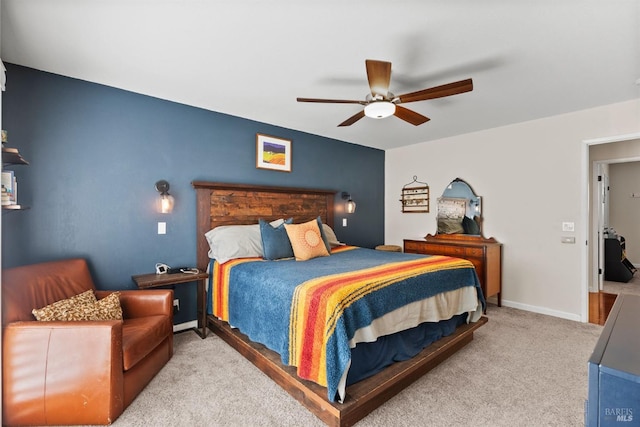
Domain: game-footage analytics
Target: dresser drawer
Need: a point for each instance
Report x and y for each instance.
(446, 250)
(474, 252)
(420, 247)
(485, 256)
(450, 250)
(413, 246)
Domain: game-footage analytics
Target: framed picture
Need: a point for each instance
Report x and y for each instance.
(415, 199)
(273, 153)
(415, 196)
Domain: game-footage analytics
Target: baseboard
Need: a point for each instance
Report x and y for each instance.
(541, 310)
(186, 325)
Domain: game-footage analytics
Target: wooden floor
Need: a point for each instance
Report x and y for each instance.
(600, 304)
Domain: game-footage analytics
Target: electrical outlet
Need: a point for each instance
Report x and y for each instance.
(176, 305)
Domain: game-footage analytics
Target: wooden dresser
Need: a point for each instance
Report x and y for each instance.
(485, 254)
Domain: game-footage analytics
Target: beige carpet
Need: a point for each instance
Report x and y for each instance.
(521, 369)
(631, 287)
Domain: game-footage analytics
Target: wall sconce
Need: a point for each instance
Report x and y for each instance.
(350, 206)
(165, 203)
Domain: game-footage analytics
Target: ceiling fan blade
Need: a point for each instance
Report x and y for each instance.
(379, 75)
(351, 120)
(410, 116)
(331, 101)
(438, 91)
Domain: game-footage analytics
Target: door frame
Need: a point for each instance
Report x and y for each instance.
(590, 254)
(598, 221)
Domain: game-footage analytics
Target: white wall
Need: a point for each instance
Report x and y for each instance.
(625, 210)
(531, 178)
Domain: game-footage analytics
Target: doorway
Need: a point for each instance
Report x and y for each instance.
(600, 154)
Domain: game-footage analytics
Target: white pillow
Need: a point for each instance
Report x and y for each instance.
(229, 242)
(331, 236)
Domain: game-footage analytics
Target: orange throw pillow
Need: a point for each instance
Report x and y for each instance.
(306, 240)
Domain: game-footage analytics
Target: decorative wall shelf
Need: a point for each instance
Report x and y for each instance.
(11, 156)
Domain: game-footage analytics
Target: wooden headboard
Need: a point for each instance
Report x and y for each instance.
(238, 204)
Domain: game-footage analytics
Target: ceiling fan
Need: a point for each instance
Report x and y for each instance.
(381, 103)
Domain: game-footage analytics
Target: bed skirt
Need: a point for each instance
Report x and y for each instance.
(369, 358)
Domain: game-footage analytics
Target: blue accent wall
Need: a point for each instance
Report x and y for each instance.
(95, 153)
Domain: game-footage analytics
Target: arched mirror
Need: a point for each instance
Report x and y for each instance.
(459, 210)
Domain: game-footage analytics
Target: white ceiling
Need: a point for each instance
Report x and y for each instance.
(249, 58)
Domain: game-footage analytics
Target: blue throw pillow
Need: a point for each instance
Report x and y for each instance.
(324, 236)
(275, 241)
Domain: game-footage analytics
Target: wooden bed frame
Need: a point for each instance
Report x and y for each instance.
(227, 204)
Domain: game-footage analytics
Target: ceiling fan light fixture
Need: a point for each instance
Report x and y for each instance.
(381, 103)
(379, 109)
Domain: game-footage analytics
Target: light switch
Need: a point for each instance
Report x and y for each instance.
(344, 222)
(162, 228)
(568, 226)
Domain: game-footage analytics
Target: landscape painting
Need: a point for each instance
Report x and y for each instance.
(273, 153)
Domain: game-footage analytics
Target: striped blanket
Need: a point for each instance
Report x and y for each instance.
(308, 311)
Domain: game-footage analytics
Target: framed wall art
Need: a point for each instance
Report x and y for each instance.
(273, 153)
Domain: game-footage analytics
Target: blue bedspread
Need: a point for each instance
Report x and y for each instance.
(260, 295)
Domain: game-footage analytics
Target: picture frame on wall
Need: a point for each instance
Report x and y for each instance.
(273, 153)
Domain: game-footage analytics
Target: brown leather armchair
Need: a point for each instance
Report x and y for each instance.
(82, 372)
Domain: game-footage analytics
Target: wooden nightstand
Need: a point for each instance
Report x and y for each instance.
(152, 280)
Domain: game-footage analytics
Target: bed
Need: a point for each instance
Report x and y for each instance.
(220, 205)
